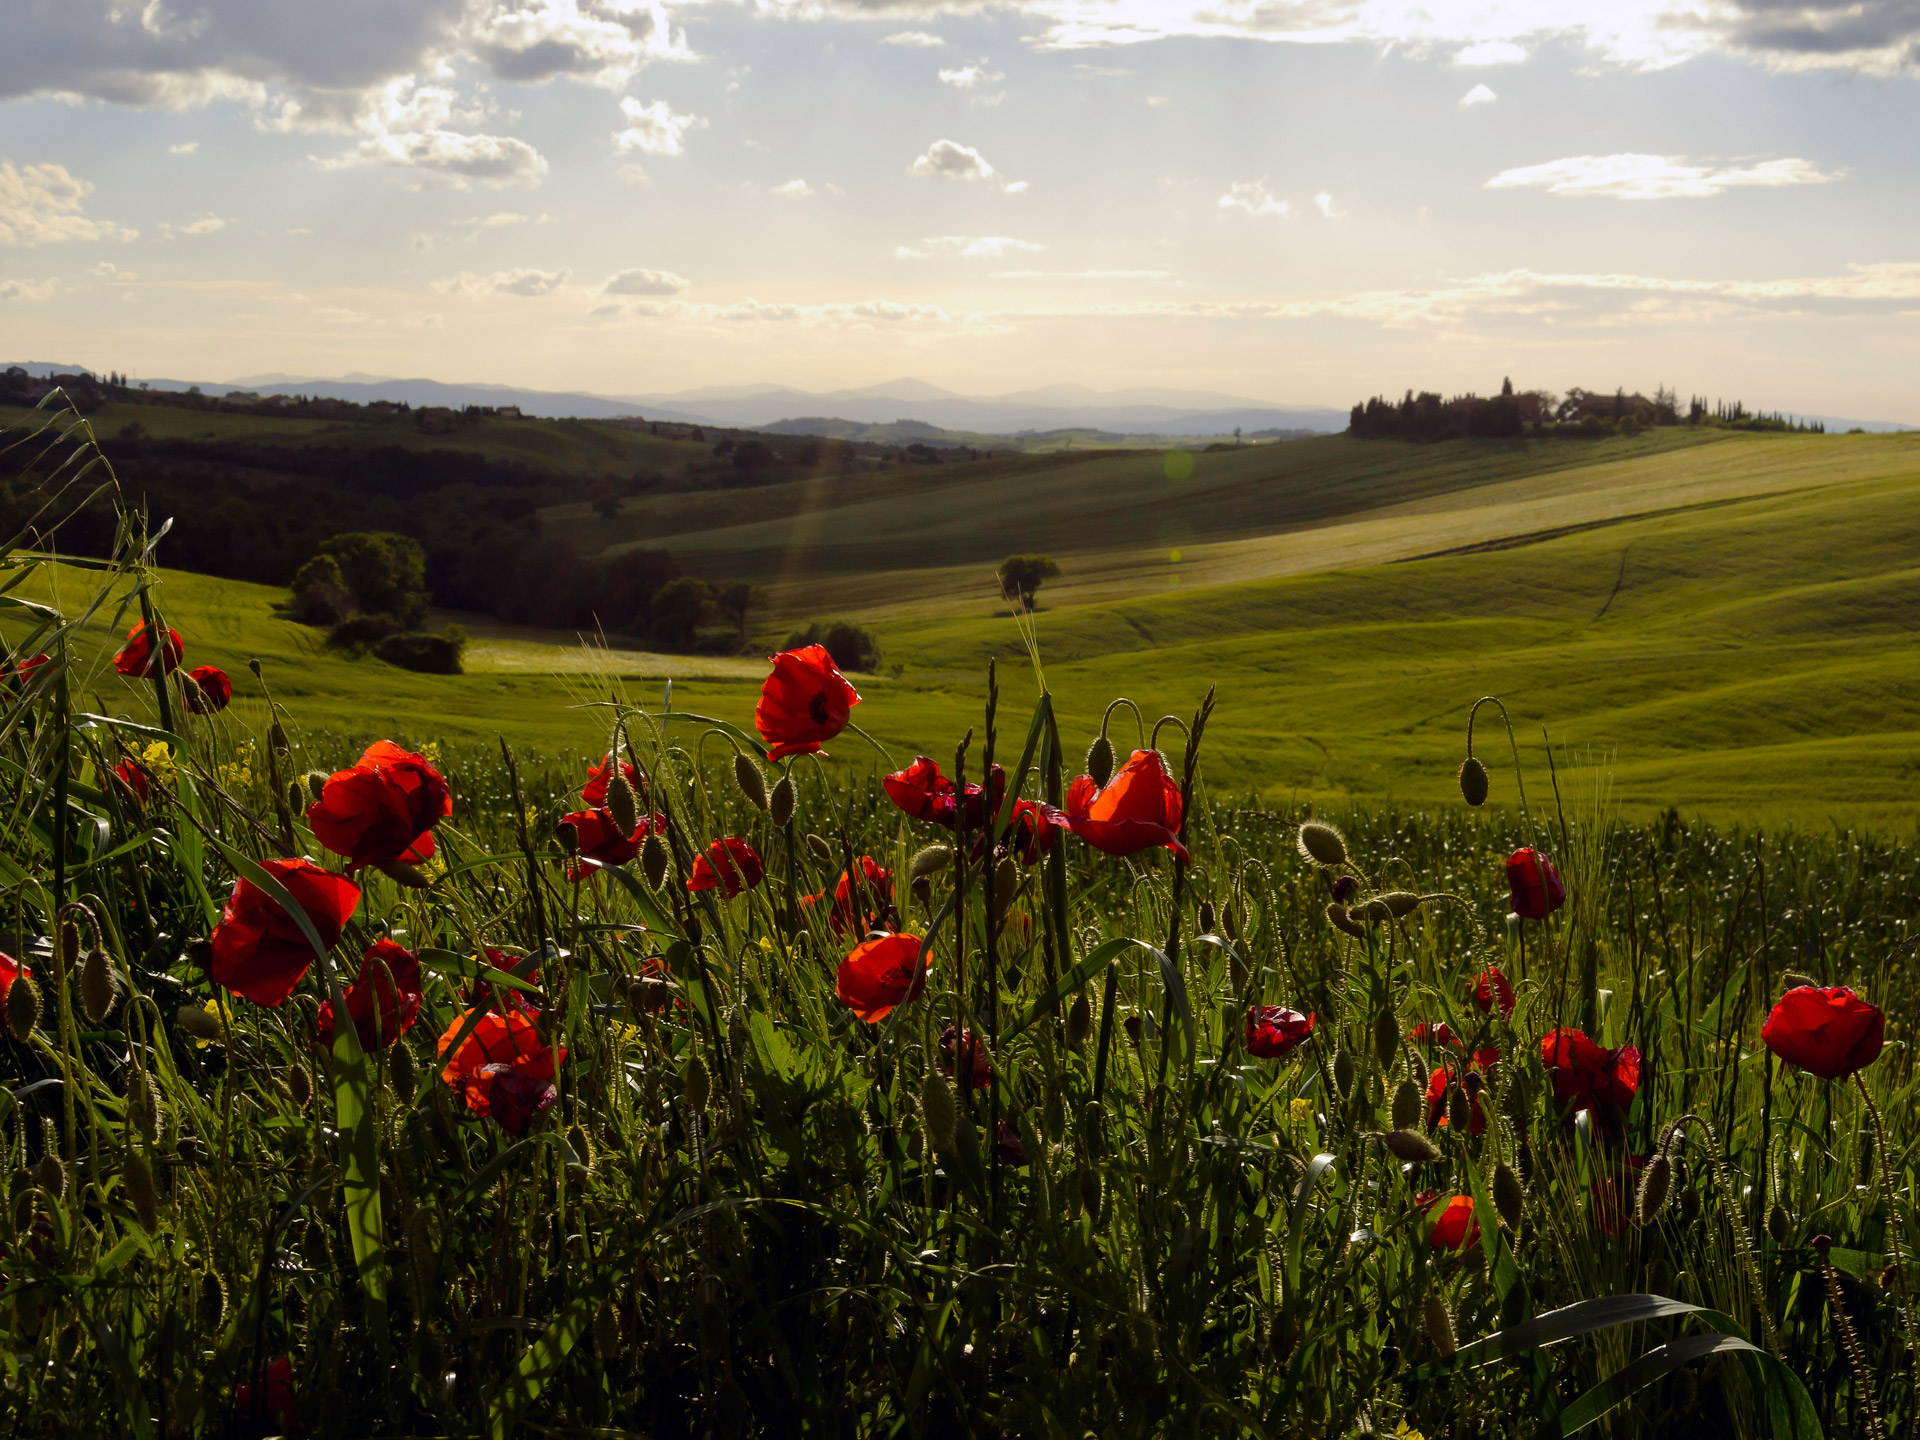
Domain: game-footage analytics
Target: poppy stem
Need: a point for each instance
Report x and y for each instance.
(1896, 1247)
(1742, 1236)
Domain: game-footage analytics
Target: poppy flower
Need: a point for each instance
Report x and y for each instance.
(272, 1402)
(136, 657)
(1273, 1032)
(876, 892)
(1031, 831)
(979, 1071)
(594, 792)
(925, 794)
(1493, 987)
(259, 951)
(1137, 810)
(208, 689)
(505, 997)
(727, 865)
(382, 810)
(1535, 886)
(1830, 1033)
(10, 970)
(879, 974)
(1437, 1083)
(22, 672)
(804, 702)
(1454, 1227)
(503, 1069)
(1587, 1076)
(134, 778)
(384, 1002)
(1426, 1033)
(600, 839)
(1008, 1146)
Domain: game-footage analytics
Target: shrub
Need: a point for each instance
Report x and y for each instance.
(427, 654)
(851, 647)
(320, 594)
(362, 633)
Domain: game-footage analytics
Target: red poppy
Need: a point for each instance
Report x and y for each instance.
(601, 841)
(1432, 1034)
(208, 690)
(1437, 1083)
(505, 997)
(1587, 1076)
(876, 894)
(1830, 1033)
(1008, 1145)
(503, 1069)
(804, 702)
(259, 951)
(273, 1404)
(135, 660)
(10, 970)
(130, 774)
(1031, 831)
(1454, 1227)
(594, 792)
(384, 1002)
(1535, 885)
(879, 974)
(727, 865)
(1493, 986)
(925, 794)
(23, 672)
(979, 1070)
(1273, 1032)
(381, 811)
(1138, 809)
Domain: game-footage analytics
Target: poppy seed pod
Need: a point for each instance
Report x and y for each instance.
(936, 1104)
(316, 782)
(1100, 761)
(1509, 1199)
(780, 803)
(1411, 1146)
(622, 804)
(1338, 917)
(653, 861)
(697, 1083)
(930, 860)
(23, 1007)
(1322, 844)
(1438, 1324)
(1406, 1104)
(819, 848)
(1079, 1022)
(1656, 1181)
(1343, 1072)
(200, 1024)
(752, 783)
(1473, 782)
(137, 1177)
(1386, 1036)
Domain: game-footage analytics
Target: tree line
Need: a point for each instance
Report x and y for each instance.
(1426, 417)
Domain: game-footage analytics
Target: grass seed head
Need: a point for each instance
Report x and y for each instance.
(23, 1007)
(137, 1176)
(1100, 761)
(1406, 1105)
(751, 780)
(1656, 1183)
(653, 861)
(1322, 844)
(1509, 1197)
(1473, 782)
(936, 1104)
(1411, 1146)
(780, 804)
(1079, 1022)
(930, 860)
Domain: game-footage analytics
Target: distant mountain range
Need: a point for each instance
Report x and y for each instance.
(1140, 411)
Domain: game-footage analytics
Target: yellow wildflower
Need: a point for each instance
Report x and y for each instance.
(430, 752)
(1300, 1111)
(158, 759)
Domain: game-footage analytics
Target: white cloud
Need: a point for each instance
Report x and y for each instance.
(967, 77)
(107, 270)
(969, 247)
(795, 189)
(525, 283)
(655, 129)
(1491, 52)
(503, 218)
(28, 289)
(43, 205)
(1653, 177)
(950, 160)
(205, 225)
(916, 39)
(185, 147)
(1324, 203)
(412, 126)
(1478, 95)
(490, 159)
(1252, 197)
(537, 40)
(1083, 275)
(643, 282)
(632, 174)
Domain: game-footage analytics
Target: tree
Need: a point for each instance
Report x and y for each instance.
(387, 573)
(734, 600)
(1022, 575)
(320, 592)
(676, 609)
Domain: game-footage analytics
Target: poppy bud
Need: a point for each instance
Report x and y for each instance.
(1323, 844)
(1523, 1161)
(1794, 980)
(277, 738)
(51, 1176)
(1006, 880)
(404, 874)
(621, 804)
(1230, 921)
(1100, 761)
(1343, 922)
(1399, 903)
(316, 783)
(1205, 917)
(213, 1300)
(820, 849)
(23, 1007)
(1438, 1324)
(300, 1086)
(200, 1024)
(697, 1083)
(921, 889)
(568, 834)
(653, 860)
(1509, 1199)
(137, 1178)
(752, 783)
(936, 1105)
(581, 1146)
(1406, 1105)
(1090, 1190)
(781, 802)
(66, 950)
(1093, 1129)
(298, 796)
(930, 861)
(1079, 1022)
(189, 1149)
(606, 1333)
(1344, 888)
(1343, 1072)
(1459, 1110)
(1411, 1145)
(1473, 782)
(1779, 1223)
(1655, 1181)
(1386, 1036)
(1132, 1026)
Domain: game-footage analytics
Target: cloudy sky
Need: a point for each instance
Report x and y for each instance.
(1294, 200)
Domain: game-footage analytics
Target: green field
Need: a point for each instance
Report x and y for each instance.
(1725, 616)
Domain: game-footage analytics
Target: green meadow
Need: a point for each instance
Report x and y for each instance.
(1723, 620)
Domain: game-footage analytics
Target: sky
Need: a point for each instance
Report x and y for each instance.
(1295, 201)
